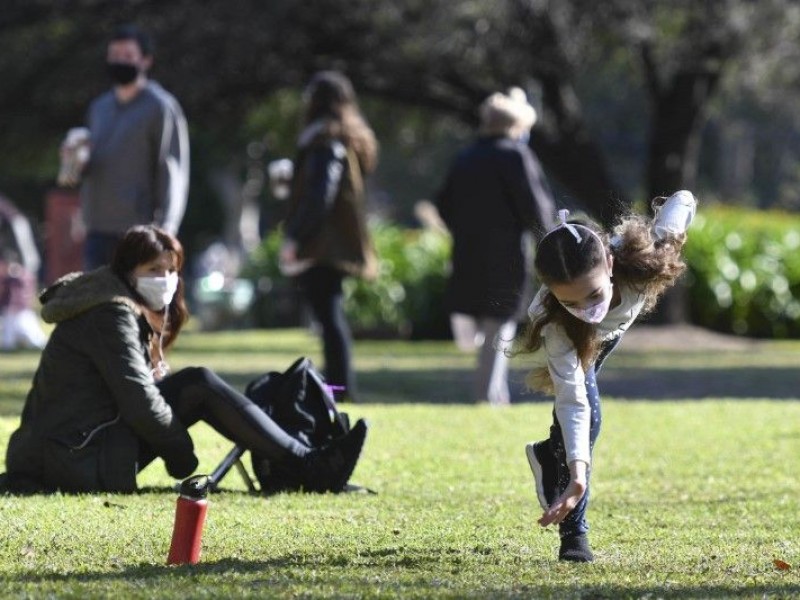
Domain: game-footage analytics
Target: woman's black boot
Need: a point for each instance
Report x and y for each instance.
(327, 469)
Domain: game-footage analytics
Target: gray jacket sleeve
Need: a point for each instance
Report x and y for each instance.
(172, 169)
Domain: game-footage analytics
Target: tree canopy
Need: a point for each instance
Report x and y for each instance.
(663, 63)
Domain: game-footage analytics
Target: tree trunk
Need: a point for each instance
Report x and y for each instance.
(678, 115)
(672, 159)
(568, 153)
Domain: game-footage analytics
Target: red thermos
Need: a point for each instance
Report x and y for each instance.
(190, 515)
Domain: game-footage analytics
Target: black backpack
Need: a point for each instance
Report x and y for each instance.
(299, 401)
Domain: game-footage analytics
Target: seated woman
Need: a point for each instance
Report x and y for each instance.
(103, 406)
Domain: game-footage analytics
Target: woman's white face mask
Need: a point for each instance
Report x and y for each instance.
(157, 291)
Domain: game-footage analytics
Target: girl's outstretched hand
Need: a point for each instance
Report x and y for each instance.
(569, 499)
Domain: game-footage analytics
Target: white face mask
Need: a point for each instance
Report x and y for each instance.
(157, 291)
(596, 312)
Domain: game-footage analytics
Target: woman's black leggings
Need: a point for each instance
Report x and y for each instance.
(322, 286)
(198, 394)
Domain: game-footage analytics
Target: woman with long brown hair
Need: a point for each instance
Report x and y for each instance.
(103, 404)
(326, 237)
(595, 286)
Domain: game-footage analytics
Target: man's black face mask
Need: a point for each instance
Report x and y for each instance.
(122, 73)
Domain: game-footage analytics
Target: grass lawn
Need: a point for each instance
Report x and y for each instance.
(696, 490)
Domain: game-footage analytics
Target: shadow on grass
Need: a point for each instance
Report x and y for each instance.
(170, 490)
(431, 386)
(284, 575)
(779, 383)
(454, 386)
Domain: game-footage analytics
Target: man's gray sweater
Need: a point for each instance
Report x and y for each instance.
(138, 172)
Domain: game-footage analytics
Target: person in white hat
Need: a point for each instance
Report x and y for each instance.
(494, 199)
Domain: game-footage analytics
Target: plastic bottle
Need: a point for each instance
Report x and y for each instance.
(190, 516)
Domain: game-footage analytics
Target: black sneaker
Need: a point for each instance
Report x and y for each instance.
(327, 469)
(575, 548)
(543, 467)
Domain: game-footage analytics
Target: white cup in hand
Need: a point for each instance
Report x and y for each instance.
(75, 152)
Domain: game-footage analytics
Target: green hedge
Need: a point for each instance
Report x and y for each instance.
(404, 301)
(743, 278)
(744, 271)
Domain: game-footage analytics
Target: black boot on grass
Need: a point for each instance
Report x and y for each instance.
(327, 469)
(575, 548)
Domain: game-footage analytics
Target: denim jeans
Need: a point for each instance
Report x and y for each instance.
(575, 523)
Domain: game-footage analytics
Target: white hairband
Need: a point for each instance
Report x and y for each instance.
(562, 222)
(572, 227)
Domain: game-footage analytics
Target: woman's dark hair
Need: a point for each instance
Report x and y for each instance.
(642, 262)
(330, 96)
(140, 245)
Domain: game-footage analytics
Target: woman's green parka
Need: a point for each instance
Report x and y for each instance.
(94, 405)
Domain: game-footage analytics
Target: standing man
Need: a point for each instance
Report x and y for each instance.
(138, 167)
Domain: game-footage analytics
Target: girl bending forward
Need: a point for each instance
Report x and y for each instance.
(594, 288)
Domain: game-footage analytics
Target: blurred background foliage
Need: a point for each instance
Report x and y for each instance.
(405, 300)
(743, 278)
(636, 98)
(744, 271)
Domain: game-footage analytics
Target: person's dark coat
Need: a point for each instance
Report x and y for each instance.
(327, 212)
(94, 401)
(494, 192)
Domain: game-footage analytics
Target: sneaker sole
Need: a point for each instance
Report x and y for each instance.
(536, 469)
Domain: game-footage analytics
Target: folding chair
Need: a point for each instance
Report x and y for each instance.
(232, 459)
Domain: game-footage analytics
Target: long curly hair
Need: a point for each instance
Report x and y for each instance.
(330, 96)
(140, 245)
(641, 261)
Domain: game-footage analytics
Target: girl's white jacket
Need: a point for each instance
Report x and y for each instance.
(561, 359)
